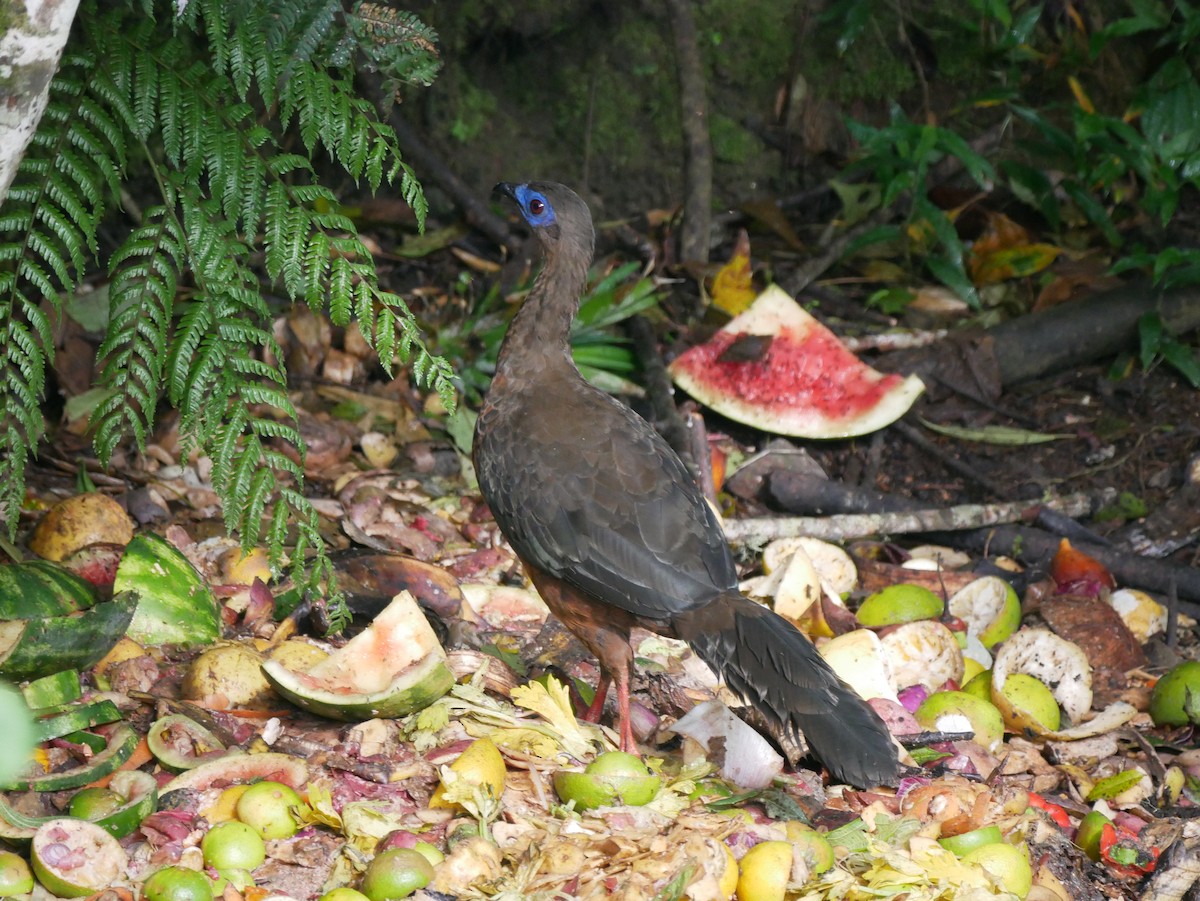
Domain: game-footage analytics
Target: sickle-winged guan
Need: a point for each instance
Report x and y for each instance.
(614, 532)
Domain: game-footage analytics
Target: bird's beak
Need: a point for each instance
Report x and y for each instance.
(505, 189)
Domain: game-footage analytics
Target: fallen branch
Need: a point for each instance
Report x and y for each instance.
(759, 530)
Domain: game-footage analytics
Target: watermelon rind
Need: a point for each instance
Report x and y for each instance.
(239, 768)
(392, 668)
(30, 649)
(39, 588)
(776, 314)
(121, 743)
(177, 607)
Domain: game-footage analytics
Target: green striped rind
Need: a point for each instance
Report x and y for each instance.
(140, 791)
(40, 647)
(161, 738)
(40, 588)
(74, 719)
(50, 691)
(121, 743)
(176, 606)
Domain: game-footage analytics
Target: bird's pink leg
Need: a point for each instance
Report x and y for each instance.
(624, 723)
(597, 707)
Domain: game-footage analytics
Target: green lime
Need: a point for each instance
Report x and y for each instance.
(396, 873)
(344, 893)
(94, 803)
(813, 845)
(980, 685)
(74, 858)
(990, 607)
(1087, 836)
(15, 876)
(612, 778)
(1029, 697)
(899, 604)
(267, 807)
(177, 884)
(966, 842)
(1175, 700)
(429, 852)
(1007, 863)
(958, 711)
(233, 846)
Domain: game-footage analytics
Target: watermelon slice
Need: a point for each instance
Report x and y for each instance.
(776, 368)
(392, 668)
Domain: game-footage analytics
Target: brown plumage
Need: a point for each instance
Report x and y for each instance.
(614, 532)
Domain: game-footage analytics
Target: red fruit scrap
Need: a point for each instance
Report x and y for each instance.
(1125, 855)
(1075, 572)
(1056, 812)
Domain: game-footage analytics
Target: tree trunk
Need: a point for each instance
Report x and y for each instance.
(33, 38)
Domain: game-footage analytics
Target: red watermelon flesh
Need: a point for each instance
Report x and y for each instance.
(805, 384)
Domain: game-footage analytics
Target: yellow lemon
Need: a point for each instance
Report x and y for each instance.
(1027, 698)
(481, 764)
(765, 871)
(814, 847)
(1008, 863)
(729, 879)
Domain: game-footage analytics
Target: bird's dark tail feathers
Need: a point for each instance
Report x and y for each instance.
(770, 664)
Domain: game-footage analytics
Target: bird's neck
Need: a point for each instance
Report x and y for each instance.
(539, 337)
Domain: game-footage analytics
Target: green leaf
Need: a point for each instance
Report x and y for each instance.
(994, 434)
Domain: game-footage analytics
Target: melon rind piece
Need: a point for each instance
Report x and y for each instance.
(392, 668)
(807, 385)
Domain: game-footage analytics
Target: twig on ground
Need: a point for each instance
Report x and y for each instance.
(842, 527)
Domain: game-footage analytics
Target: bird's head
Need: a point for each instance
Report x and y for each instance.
(557, 215)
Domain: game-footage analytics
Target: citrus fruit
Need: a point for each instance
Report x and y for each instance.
(814, 847)
(765, 871)
(1007, 863)
(15, 876)
(343, 893)
(73, 858)
(177, 884)
(1175, 700)
(614, 777)
(958, 711)
(1030, 697)
(966, 842)
(233, 845)
(990, 607)
(1087, 836)
(395, 873)
(266, 807)
(897, 604)
(480, 764)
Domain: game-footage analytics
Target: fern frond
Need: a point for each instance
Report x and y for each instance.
(47, 233)
(141, 310)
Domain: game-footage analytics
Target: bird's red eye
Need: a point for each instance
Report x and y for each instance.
(536, 207)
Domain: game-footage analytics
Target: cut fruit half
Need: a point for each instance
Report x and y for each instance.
(393, 667)
(74, 858)
(778, 369)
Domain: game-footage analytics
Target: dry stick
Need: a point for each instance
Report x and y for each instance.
(697, 157)
(842, 527)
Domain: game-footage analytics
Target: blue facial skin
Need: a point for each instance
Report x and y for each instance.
(525, 196)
